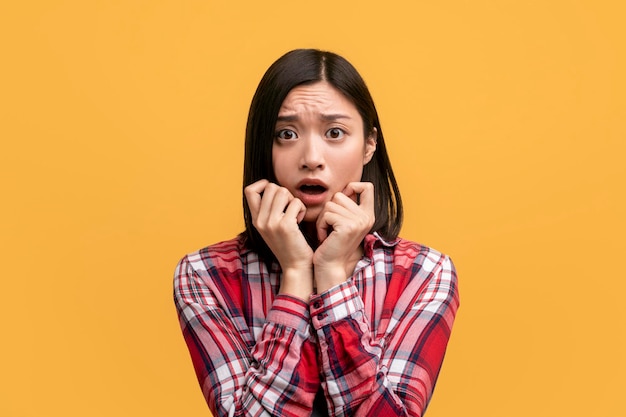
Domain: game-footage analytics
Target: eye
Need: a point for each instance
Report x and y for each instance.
(286, 134)
(335, 133)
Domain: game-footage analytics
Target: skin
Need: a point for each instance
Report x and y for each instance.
(319, 141)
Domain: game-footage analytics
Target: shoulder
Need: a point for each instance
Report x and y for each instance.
(426, 256)
(411, 256)
(224, 256)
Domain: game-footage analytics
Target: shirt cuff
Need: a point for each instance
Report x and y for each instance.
(336, 303)
(290, 312)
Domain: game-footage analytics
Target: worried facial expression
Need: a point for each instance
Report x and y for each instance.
(319, 145)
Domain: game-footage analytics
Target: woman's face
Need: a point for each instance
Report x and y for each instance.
(319, 145)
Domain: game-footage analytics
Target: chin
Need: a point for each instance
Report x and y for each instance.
(311, 215)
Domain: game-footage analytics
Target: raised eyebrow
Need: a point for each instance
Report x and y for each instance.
(326, 117)
(333, 117)
(287, 118)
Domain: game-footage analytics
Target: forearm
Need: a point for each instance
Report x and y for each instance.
(351, 355)
(390, 370)
(276, 374)
(283, 375)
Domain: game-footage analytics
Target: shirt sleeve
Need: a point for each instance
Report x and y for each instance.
(392, 371)
(275, 375)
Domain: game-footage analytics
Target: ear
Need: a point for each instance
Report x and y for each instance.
(370, 146)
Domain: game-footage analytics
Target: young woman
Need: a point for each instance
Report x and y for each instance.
(318, 308)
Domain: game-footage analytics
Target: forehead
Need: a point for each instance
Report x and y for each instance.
(320, 97)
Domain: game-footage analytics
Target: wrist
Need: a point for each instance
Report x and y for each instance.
(297, 282)
(327, 276)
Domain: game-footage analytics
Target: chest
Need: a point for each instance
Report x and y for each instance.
(252, 295)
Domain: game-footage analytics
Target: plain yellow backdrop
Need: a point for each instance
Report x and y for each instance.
(122, 124)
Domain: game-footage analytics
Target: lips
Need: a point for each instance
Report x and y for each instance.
(311, 191)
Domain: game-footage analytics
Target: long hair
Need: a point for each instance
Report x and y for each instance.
(308, 66)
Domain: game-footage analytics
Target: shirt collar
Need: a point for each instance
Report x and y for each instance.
(374, 240)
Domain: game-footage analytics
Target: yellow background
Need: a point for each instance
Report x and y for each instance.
(122, 125)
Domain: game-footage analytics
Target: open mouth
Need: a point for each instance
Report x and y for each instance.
(312, 189)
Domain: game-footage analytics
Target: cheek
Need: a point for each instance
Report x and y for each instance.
(279, 165)
(350, 167)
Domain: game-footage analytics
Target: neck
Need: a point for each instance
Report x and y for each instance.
(310, 233)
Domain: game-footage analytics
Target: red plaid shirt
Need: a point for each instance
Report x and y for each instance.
(374, 344)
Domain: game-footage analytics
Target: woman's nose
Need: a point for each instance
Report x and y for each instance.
(312, 153)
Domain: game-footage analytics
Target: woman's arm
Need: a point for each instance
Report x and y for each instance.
(274, 375)
(392, 372)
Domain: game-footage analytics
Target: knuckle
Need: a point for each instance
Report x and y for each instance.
(283, 192)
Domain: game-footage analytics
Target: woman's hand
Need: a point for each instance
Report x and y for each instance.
(276, 214)
(341, 227)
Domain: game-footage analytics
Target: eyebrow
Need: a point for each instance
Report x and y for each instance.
(331, 117)
(325, 117)
(289, 118)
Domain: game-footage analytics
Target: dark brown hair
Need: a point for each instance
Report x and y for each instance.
(308, 66)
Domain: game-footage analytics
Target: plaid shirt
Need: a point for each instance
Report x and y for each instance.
(374, 344)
